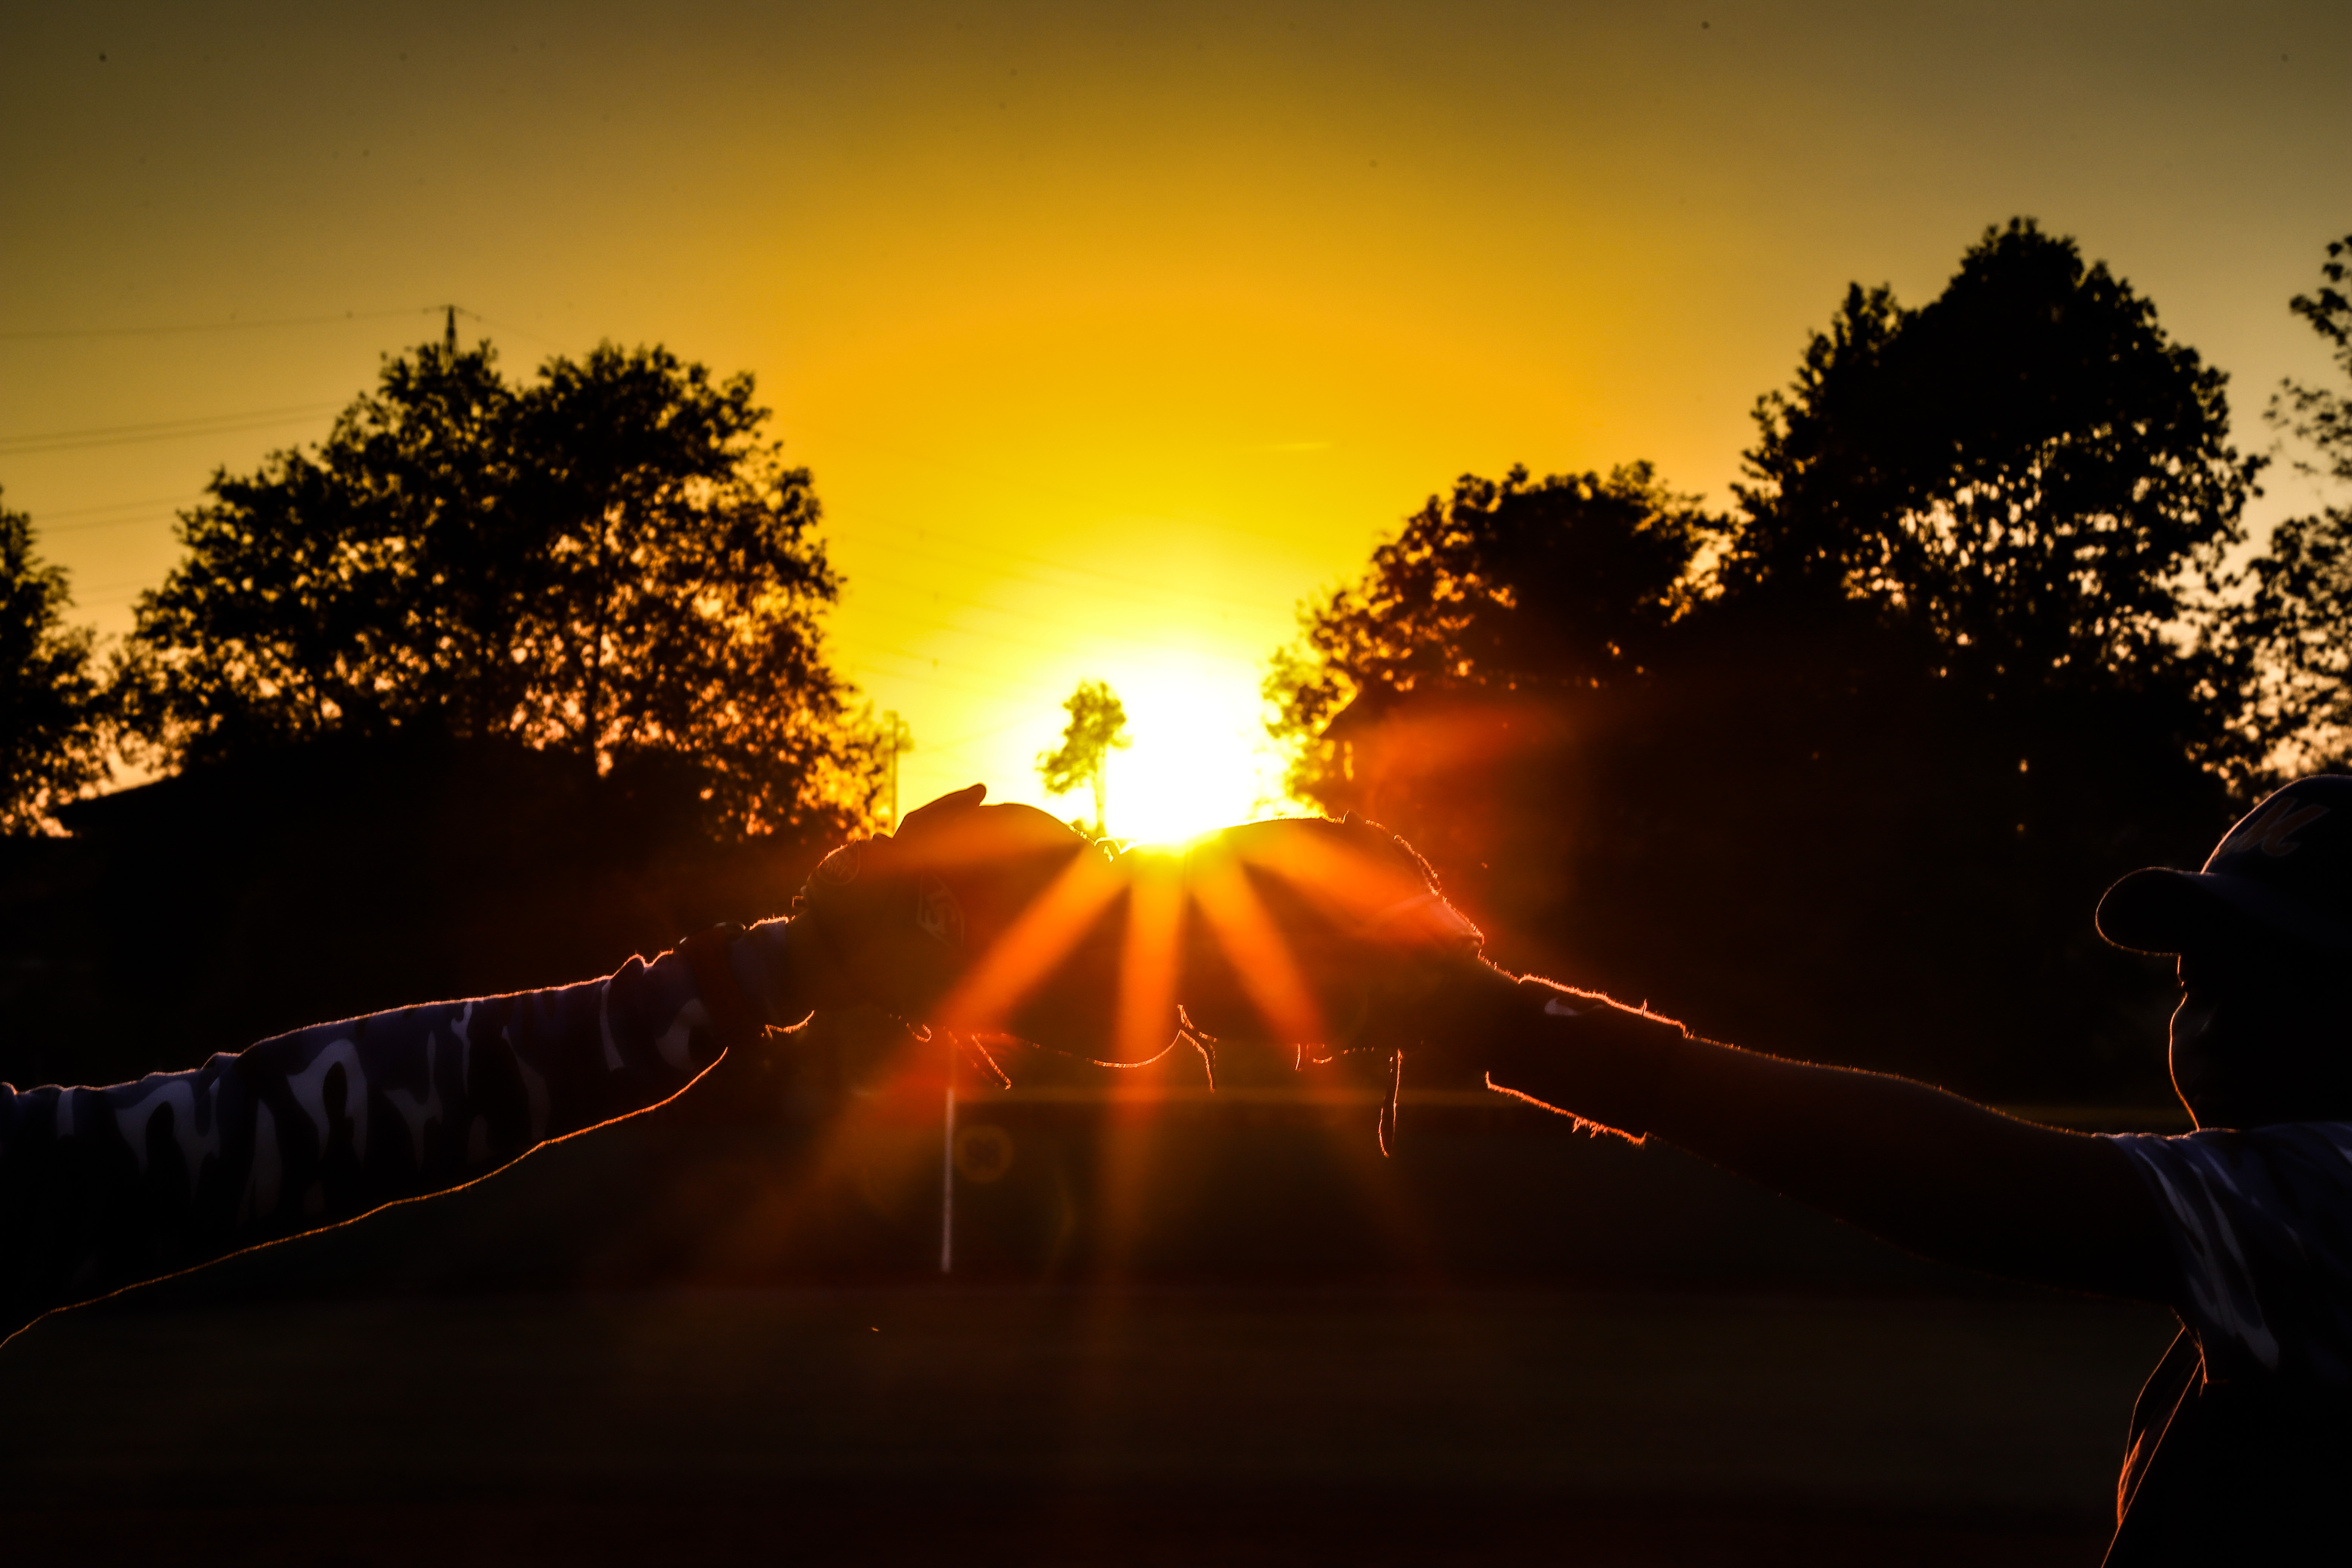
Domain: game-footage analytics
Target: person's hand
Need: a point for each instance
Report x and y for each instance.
(1573, 1050)
(1306, 931)
(974, 918)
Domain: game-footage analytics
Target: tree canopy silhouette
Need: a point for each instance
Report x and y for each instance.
(1097, 727)
(2027, 471)
(1568, 583)
(1961, 656)
(52, 708)
(2299, 624)
(2026, 475)
(609, 562)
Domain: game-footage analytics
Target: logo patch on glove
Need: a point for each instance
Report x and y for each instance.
(839, 868)
(937, 913)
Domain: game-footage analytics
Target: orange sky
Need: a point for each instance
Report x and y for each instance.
(1109, 331)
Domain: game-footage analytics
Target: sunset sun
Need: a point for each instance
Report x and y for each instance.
(1300, 782)
(1200, 759)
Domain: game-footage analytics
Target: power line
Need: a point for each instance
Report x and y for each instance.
(50, 333)
(928, 665)
(509, 327)
(997, 481)
(1028, 617)
(931, 538)
(178, 500)
(938, 748)
(109, 596)
(934, 678)
(122, 585)
(210, 424)
(931, 542)
(45, 529)
(161, 429)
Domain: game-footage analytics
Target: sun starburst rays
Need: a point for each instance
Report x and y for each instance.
(1150, 958)
(1014, 966)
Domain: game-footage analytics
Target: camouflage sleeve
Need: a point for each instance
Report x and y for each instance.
(102, 1188)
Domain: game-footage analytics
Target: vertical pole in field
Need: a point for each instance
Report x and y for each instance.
(890, 719)
(946, 1168)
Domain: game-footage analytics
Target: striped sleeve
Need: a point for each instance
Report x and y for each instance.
(102, 1188)
(2261, 1224)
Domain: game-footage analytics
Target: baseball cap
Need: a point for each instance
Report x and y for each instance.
(2285, 868)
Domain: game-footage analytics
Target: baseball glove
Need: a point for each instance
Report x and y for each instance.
(1327, 936)
(1313, 932)
(974, 918)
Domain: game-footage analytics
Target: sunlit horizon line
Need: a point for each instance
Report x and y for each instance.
(1191, 841)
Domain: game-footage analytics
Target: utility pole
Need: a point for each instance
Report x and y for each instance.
(946, 1165)
(901, 739)
(449, 332)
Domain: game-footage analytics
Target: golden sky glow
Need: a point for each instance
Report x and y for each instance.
(1109, 332)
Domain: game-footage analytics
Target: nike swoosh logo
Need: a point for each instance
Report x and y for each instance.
(1559, 1009)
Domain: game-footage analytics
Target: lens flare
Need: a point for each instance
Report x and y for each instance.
(1018, 962)
(1148, 980)
(1259, 953)
(1200, 759)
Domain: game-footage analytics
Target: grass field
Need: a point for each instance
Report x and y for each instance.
(1033, 1426)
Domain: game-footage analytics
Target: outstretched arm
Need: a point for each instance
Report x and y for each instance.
(1335, 932)
(102, 1188)
(1932, 1173)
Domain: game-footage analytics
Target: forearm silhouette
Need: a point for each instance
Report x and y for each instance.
(104, 1188)
(1928, 1171)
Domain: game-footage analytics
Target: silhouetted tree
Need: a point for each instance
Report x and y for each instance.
(608, 561)
(52, 708)
(1961, 657)
(1984, 540)
(2299, 623)
(2027, 470)
(1566, 585)
(1097, 727)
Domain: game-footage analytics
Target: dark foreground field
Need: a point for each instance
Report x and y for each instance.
(1020, 1426)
